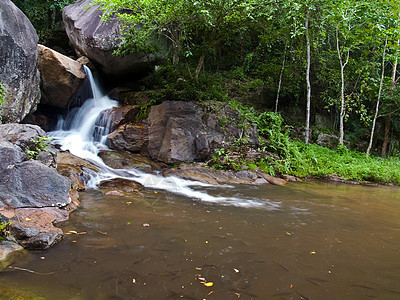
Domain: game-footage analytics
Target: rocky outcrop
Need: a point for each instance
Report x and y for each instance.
(32, 194)
(18, 63)
(61, 77)
(177, 131)
(97, 40)
(184, 131)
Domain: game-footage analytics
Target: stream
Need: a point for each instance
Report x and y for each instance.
(319, 241)
(180, 239)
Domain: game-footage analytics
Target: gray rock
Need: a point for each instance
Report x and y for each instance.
(184, 131)
(18, 63)
(327, 140)
(61, 77)
(22, 134)
(97, 40)
(32, 184)
(10, 155)
(173, 129)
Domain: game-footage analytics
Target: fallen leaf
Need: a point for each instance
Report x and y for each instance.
(128, 223)
(288, 233)
(208, 284)
(129, 202)
(27, 219)
(198, 268)
(146, 225)
(236, 270)
(313, 252)
(42, 257)
(134, 281)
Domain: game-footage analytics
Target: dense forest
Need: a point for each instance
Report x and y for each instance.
(295, 68)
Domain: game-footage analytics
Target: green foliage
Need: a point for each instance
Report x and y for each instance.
(4, 229)
(40, 145)
(43, 14)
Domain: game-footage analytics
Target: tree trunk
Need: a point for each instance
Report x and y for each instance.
(280, 79)
(342, 98)
(199, 67)
(379, 98)
(389, 116)
(308, 80)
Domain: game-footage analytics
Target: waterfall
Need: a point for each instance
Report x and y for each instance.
(83, 133)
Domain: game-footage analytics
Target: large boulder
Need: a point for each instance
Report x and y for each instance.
(32, 184)
(174, 127)
(184, 131)
(97, 40)
(61, 77)
(18, 63)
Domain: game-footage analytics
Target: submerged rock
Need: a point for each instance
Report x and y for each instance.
(18, 63)
(8, 250)
(119, 187)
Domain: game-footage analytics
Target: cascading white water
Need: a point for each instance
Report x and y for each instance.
(80, 134)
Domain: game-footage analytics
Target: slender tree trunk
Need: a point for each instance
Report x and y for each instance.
(199, 67)
(308, 79)
(379, 98)
(280, 79)
(389, 116)
(342, 98)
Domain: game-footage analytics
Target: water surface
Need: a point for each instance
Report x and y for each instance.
(302, 241)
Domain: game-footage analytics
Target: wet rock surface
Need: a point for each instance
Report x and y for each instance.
(126, 160)
(75, 169)
(200, 172)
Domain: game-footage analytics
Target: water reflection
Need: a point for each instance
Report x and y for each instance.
(308, 240)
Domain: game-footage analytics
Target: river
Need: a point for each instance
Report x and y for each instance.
(310, 240)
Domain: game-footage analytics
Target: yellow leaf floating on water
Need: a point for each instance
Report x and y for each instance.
(208, 284)
(313, 252)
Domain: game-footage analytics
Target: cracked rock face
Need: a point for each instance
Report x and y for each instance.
(18, 63)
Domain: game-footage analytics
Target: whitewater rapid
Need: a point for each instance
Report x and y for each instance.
(83, 133)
